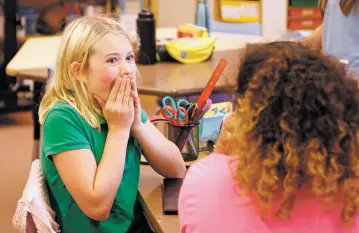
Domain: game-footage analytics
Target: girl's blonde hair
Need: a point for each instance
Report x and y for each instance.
(75, 46)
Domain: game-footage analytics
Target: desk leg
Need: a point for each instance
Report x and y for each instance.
(35, 117)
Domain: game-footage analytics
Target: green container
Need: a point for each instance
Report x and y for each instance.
(304, 3)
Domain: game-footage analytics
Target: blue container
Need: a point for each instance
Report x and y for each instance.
(202, 15)
(30, 19)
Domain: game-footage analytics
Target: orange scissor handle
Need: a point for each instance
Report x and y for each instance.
(175, 115)
(185, 120)
(168, 112)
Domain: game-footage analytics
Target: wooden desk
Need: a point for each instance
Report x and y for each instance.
(171, 78)
(174, 79)
(150, 197)
(40, 52)
(162, 79)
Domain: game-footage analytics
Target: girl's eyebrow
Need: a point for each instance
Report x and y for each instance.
(113, 54)
(118, 54)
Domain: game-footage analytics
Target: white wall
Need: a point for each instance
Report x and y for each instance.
(172, 13)
(274, 18)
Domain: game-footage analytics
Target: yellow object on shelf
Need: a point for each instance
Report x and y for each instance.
(191, 50)
(191, 30)
(237, 11)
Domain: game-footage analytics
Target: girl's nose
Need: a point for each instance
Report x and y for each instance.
(123, 70)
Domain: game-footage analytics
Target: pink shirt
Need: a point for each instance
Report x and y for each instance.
(209, 203)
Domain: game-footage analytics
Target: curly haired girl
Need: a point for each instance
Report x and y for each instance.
(287, 160)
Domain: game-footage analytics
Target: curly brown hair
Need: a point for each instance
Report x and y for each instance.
(296, 123)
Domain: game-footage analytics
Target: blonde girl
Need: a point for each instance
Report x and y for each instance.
(94, 132)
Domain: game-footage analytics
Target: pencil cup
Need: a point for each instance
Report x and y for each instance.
(190, 150)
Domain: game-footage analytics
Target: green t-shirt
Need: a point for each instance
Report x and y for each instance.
(64, 129)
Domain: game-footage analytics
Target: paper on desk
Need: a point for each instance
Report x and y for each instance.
(220, 108)
(210, 125)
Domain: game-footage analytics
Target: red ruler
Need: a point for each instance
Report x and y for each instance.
(201, 102)
(206, 93)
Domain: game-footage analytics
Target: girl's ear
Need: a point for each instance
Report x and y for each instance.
(75, 69)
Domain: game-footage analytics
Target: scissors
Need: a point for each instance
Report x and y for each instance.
(180, 103)
(201, 112)
(175, 115)
(196, 114)
(201, 103)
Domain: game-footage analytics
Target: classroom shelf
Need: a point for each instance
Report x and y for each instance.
(304, 3)
(303, 15)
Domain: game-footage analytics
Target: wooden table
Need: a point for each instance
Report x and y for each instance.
(174, 79)
(171, 78)
(39, 53)
(150, 197)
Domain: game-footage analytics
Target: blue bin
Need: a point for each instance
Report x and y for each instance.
(30, 19)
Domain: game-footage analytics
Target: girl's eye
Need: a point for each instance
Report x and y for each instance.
(112, 60)
(130, 57)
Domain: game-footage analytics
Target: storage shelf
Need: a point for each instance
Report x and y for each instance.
(303, 15)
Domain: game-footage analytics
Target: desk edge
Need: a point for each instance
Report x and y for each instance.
(149, 214)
